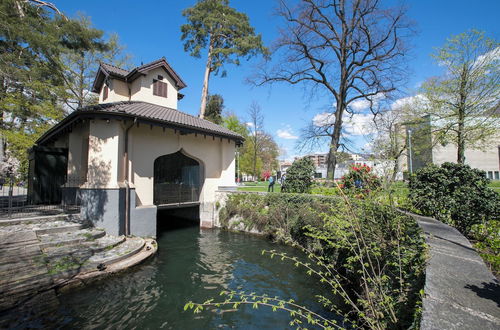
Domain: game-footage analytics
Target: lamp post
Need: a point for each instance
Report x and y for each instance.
(409, 151)
(238, 166)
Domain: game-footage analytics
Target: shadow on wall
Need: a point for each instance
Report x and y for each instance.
(98, 176)
(489, 291)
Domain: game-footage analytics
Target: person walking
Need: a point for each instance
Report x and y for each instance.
(271, 184)
(283, 180)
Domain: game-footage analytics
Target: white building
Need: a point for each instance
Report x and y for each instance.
(135, 153)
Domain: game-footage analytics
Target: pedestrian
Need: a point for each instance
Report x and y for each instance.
(271, 184)
(283, 181)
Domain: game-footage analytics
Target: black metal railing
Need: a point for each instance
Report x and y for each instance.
(175, 193)
(17, 200)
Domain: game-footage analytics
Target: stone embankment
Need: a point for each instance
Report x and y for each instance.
(42, 254)
(460, 291)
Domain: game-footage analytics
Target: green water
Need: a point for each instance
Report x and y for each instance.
(191, 264)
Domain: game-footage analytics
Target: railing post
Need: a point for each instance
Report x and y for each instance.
(11, 187)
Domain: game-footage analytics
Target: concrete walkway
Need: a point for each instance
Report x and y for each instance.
(460, 291)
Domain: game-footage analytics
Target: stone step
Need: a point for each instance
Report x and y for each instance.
(38, 219)
(69, 238)
(128, 248)
(95, 246)
(57, 226)
(16, 240)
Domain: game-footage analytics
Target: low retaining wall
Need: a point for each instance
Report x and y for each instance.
(460, 291)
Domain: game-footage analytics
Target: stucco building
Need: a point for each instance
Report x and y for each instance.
(423, 149)
(134, 153)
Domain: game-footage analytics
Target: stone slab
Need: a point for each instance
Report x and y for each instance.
(460, 291)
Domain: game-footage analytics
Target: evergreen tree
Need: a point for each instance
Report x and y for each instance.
(226, 32)
(32, 84)
(80, 67)
(299, 177)
(214, 109)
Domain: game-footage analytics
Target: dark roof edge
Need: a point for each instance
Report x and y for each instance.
(88, 114)
(132, 75)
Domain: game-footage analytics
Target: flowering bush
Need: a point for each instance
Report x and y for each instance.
(361, 179)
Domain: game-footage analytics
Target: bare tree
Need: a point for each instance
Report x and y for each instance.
(256, 127)
(351, 50)
(390, 141)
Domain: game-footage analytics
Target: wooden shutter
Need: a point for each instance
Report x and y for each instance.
(159, 88)
(105, 93)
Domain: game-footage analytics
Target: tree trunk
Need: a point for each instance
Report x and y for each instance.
(204, 90)
(461, 116)
(460, 138)
(334, 142)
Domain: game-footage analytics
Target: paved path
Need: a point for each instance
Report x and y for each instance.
(460, 291)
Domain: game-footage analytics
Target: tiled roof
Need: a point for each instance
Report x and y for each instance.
(151, 113)
(114, 70)
(106, 69)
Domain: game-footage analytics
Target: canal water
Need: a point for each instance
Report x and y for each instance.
(191, 265)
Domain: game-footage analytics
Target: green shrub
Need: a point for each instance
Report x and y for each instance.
(487, 238)
(454, 193)
(360, 179)
(370, 256)
(299, 177)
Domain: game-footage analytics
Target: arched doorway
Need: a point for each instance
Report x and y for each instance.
(176, 179)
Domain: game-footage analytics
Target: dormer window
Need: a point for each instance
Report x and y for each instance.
(105, 93)
(159, 88)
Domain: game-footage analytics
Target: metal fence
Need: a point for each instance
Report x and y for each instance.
(16, 201)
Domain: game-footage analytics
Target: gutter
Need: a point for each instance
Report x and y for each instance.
(126, 179)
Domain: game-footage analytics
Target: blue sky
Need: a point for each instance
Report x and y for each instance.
(151, 29)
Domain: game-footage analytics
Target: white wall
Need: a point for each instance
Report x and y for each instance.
(105, 156)
(486, 160)
(147, 144)
(141, 89)
(117, 91)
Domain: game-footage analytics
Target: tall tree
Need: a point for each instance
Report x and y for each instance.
(390, 141)
(226, 33)
(80, 66)
(256, 128)
(462, 102)
(32, 38)
(214, 110)
(350, 50)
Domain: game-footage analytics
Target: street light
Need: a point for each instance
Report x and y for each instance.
(409, 150)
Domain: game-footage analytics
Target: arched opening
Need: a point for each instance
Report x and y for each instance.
(176, 179)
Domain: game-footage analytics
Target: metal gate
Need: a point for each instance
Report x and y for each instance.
(176, 179)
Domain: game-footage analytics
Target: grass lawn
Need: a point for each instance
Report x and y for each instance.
(258, 186)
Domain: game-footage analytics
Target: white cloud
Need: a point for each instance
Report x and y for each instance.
(410, 100)
(357, 124)
(323, 119)
(488, 58)
(286, 134)
(363, 104)
(249, 124)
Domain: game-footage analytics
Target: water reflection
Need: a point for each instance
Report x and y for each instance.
(192, 264)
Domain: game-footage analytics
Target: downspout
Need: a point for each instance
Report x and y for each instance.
(126, 180)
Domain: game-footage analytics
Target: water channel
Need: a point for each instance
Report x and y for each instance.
(191, 264)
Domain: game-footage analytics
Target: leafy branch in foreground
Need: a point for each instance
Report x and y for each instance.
(369, 258)
(298, 313)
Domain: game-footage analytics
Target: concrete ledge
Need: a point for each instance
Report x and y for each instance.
(460, 291)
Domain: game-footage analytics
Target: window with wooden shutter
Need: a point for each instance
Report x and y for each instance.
(159, 88)
(105, 93)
